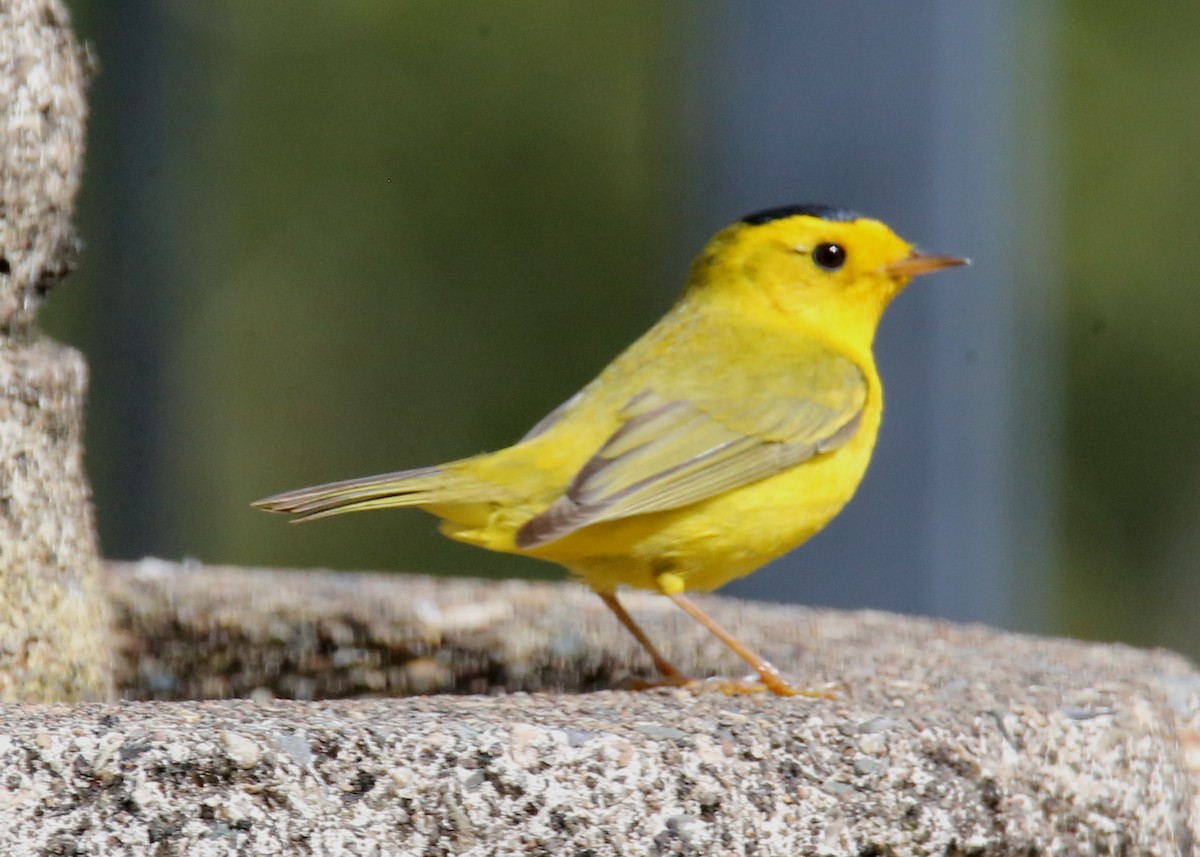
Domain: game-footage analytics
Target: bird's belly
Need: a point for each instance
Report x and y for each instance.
(710, 543)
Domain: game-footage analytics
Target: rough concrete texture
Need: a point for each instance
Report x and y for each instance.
(54, 633)
(948, 740)
(42, 122)
(53, 627)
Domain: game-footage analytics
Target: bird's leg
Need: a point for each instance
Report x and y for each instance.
(665, 668)
(766, 671)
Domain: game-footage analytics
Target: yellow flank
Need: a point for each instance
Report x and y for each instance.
(728, 434)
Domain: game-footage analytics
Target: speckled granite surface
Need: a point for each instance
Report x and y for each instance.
(43, 118)
(53, 624)
(949, 739)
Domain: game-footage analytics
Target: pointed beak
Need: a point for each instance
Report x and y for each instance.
(921, 263)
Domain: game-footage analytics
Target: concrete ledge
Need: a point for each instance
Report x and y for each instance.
(605, 773)
(950, 740)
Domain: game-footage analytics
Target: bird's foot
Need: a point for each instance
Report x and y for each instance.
(663, 681)
(735, 686)
(776, 685)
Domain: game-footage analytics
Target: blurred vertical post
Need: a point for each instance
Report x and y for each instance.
(932, 116)
(147, 103)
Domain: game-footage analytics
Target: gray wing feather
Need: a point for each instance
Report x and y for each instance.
(669, 454)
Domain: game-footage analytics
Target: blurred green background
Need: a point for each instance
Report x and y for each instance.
(1131, 162)
(327, 240)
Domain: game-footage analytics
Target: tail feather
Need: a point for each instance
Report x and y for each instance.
(421, 487)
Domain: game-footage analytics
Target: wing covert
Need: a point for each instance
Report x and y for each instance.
(672, 451)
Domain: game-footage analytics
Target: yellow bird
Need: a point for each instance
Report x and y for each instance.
(732, 431)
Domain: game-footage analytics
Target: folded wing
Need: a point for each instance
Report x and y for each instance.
(675, 450)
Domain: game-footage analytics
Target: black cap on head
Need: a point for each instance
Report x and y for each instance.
(825, 212)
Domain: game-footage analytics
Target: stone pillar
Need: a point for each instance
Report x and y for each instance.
(54, 633)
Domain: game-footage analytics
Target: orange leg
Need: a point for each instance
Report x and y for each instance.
(665, 668)
(766, 671)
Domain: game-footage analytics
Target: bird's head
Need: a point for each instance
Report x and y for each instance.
(828, 266)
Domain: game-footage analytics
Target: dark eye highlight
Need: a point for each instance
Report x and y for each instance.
(829, 256)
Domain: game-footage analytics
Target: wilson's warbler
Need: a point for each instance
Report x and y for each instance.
(733, 430)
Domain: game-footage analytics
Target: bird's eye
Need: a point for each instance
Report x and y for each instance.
(829, 256)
